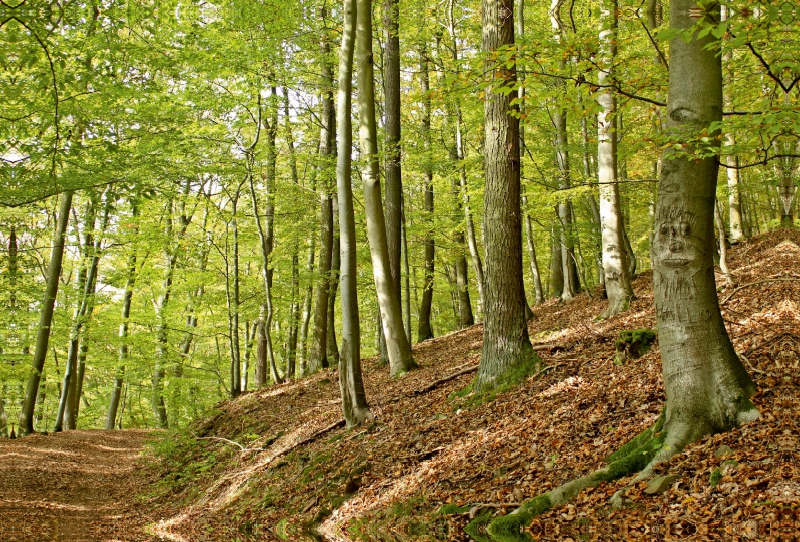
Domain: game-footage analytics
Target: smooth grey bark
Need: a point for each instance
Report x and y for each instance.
(266, 232)
(424, 328)
(406, 275)
(127, 300)
(397, 345)
(46, 317)
(570, 286)
(351, 384)
(294, 306)
(556, 268)
(707, 388)
(233, 296)
(306, 316)
(537, 278)
(615, 255)
(318, 355)
(731, 160)
(506, 347)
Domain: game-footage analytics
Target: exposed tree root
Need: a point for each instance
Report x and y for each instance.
(638, 455)
(448, 378)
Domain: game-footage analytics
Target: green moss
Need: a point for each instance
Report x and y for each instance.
(633, 344)
(639, 440)
(452, 508)
(634, 461)
(511, 527)
(503, 383)
(477, 528)
(716, 476)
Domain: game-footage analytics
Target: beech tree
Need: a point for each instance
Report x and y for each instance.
(507, 353)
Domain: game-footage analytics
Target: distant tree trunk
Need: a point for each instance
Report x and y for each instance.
(266, 236)
(707, 388)
(556, 267)
(537, 279)
(46, 317)
(318, 356)
(425, 330)
(306, 316)
(507, 349)
(233, 301)
(127, 299)
(570, 287)
(354, 399)
(294, 306)
(399, 349)
(615, 257)
(731, 160)
(406, 275)
(336, 261)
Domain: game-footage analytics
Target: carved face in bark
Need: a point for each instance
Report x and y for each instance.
(679, 254)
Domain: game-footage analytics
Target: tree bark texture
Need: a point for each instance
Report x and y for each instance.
(615, 255)
(398, 347)
(351, 384)
(46, 317)
(707, 388)
(506, 346)
(424, 329)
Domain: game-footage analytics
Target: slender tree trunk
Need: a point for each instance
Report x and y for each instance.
(336, 260)
(424, 329)
(615, 257)
(354, 399)
(507, 351)
(127, 300)
(306, 317)
(406, 275)
(399, 349)
(731, 160)
(569, 287)
(707, 388)
(46, 317)
(556, 267)
(537, 279)
(294, 307)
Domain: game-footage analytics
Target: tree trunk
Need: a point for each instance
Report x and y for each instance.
(556, 268)
(354, 399)
(306, 317)
(424, 329)
(707, 388)
(394, 185)
(507, 353)
(537, 279)
(615, 256)
(399, 349)
(318, 356)
(294, 307)
(569, 287)
(46, 317)
(127, 299)
(336, 260)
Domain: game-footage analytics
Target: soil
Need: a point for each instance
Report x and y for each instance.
(75, 486)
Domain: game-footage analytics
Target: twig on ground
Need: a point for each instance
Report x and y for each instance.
(447, 378)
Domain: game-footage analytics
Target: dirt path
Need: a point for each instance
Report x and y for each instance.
(75, 486)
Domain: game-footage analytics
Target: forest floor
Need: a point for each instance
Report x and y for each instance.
(74, 486)
(278, 464)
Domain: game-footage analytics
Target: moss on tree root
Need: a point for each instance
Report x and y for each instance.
(628, 459)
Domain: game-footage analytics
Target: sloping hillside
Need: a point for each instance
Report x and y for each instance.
(279, 464)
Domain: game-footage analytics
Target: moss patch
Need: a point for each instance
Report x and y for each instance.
(503, 383)
(633, 344)
(716, 476)
(452, 508)
(476, 529)
(511, 527)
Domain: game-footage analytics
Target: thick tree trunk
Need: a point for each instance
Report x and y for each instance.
(354, 399)
(615, 254)
(507, 353)
(46, 317)
(706, 386)
(399, 349)
(394, 185)
(424, 329)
